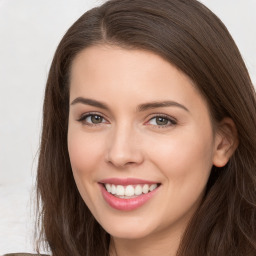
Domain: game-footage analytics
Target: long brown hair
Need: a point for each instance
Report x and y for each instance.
(188, 35)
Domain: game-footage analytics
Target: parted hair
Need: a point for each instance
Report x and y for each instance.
(192, 38)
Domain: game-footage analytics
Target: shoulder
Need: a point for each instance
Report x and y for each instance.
(24, 254)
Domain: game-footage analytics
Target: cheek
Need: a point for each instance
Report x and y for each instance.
(185, 161)
(84, 151)
(184, 151)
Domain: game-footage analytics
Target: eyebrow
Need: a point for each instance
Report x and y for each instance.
(140, 108)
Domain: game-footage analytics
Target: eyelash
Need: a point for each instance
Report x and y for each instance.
(172, 121)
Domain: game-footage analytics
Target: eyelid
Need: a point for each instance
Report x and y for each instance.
(85, 115)
(172, 120)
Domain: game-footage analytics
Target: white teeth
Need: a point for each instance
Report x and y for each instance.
(145, 188)
(130, 190)
(138, 190)
(113, 189)
(119, 190)
(108, 187)
(152, 187)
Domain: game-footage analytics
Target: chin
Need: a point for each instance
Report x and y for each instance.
(129, 229)
(129, 234)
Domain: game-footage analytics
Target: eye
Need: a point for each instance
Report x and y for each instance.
(92, 119)
(162, 121)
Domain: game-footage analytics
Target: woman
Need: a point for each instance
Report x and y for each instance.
(149, 136)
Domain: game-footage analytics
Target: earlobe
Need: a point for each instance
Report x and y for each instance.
(226, 142)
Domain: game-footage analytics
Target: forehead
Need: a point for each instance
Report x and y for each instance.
(106, 59)
(107, 73)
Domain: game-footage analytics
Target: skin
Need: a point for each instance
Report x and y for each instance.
(127, 143)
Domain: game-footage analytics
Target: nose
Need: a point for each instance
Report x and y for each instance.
(124, 148)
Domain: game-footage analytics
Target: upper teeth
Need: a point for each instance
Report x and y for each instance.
(130, 190)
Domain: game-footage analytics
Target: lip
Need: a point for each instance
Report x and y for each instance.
(127, 181)
(130, 204)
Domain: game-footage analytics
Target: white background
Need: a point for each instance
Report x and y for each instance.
(29, 34)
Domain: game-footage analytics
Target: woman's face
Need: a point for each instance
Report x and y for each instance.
(137, 124)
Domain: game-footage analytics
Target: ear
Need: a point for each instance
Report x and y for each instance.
(226, 142)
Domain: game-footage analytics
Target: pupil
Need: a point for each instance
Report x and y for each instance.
(96, 119)
(161, 120)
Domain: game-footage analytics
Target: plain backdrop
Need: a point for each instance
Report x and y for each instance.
(29, 34)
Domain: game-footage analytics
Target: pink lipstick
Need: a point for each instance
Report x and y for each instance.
(127, 194)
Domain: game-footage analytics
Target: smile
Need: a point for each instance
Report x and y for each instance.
(130, 190)
(128, 194)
